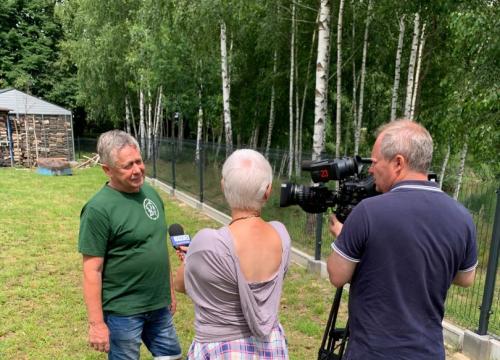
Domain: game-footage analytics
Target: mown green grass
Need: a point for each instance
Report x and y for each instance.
(42, 313)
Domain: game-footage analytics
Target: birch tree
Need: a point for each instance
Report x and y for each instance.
(142, 127)
(321, 93)
(199, 127)
(290, 93)
(272, 112)
(417, 73)
(411, 66)
(226, 89)
(397, 69)
(127, 116)
(444, 165)
(339, 78)
(357, 132)
(461, 169)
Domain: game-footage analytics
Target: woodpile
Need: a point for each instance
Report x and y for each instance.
(35, 137)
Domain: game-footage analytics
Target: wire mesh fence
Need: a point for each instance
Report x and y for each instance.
(197, 171)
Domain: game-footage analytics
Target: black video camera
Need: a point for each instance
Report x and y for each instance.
(354, 186)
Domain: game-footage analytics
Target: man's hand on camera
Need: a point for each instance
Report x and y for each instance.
(334, 225)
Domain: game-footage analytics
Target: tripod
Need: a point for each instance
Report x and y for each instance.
(333, 335)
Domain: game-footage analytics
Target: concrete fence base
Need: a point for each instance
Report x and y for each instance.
(472, 345)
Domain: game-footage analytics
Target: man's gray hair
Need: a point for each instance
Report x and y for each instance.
(246, 175)
(112, 141)
(409, 139)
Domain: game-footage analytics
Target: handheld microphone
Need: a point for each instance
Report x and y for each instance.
(177, 236)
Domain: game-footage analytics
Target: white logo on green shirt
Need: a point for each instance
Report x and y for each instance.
(151, 209)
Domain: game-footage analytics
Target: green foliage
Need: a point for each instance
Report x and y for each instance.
(30, 34)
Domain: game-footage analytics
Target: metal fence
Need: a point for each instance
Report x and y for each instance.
(197, 172)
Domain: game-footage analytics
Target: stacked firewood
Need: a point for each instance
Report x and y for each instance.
(37, 136)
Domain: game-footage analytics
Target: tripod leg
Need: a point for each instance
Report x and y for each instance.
(329, 337)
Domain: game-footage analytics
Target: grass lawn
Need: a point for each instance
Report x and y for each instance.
(41, 306)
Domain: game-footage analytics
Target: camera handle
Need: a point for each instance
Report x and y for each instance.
(332, 335)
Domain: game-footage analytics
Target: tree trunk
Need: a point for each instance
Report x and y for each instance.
(321, 93)
(417, 73)
(306, 86)
(226, 90)
(157, 118)
(272, 112)
(354, 77)
(290, 95)
(339, 79)
(460, 174)
(127, 116)
(298, 129)
(180, 131)
(142, 127)
(397, 70)
(443, 167)
(132, 117)
(149, 126)
(362, 84)
(411, 66)
(199, 127)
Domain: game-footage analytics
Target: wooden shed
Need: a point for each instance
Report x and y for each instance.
(31, 128)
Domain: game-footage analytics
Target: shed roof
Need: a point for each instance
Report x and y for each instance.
(19, 102)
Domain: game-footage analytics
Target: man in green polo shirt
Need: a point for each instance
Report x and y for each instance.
(127, 283)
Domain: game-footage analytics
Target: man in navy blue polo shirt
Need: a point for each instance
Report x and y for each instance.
(401, 251)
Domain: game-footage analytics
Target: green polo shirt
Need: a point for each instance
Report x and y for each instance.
(129, 231)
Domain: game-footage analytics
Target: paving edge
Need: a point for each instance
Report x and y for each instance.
(476, 347)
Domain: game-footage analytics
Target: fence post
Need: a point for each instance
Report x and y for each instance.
(173, 163)
(200, 168)
(491, 272)
(319, 232)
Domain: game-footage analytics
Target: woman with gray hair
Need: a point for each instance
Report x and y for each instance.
(234, 275)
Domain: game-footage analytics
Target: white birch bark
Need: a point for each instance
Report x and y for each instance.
(321, 93)
(397, 69)
(338, 118)
(149, 126)
(411, 66)
(443, 166)
(298, 129)
(460, 173)
(272, 112)
(127, 116)
(357, 136)
(226, 89)
(199, 127)
(158, 118)
(142, 127)
(354, 77)
(417, 73)
(290, 95)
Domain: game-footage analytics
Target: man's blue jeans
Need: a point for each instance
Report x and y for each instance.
(154, 328)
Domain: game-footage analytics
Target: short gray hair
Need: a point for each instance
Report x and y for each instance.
(409, 139)
(112, 141)
(246, 175)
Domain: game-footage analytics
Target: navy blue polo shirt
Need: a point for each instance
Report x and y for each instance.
(408, 243)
